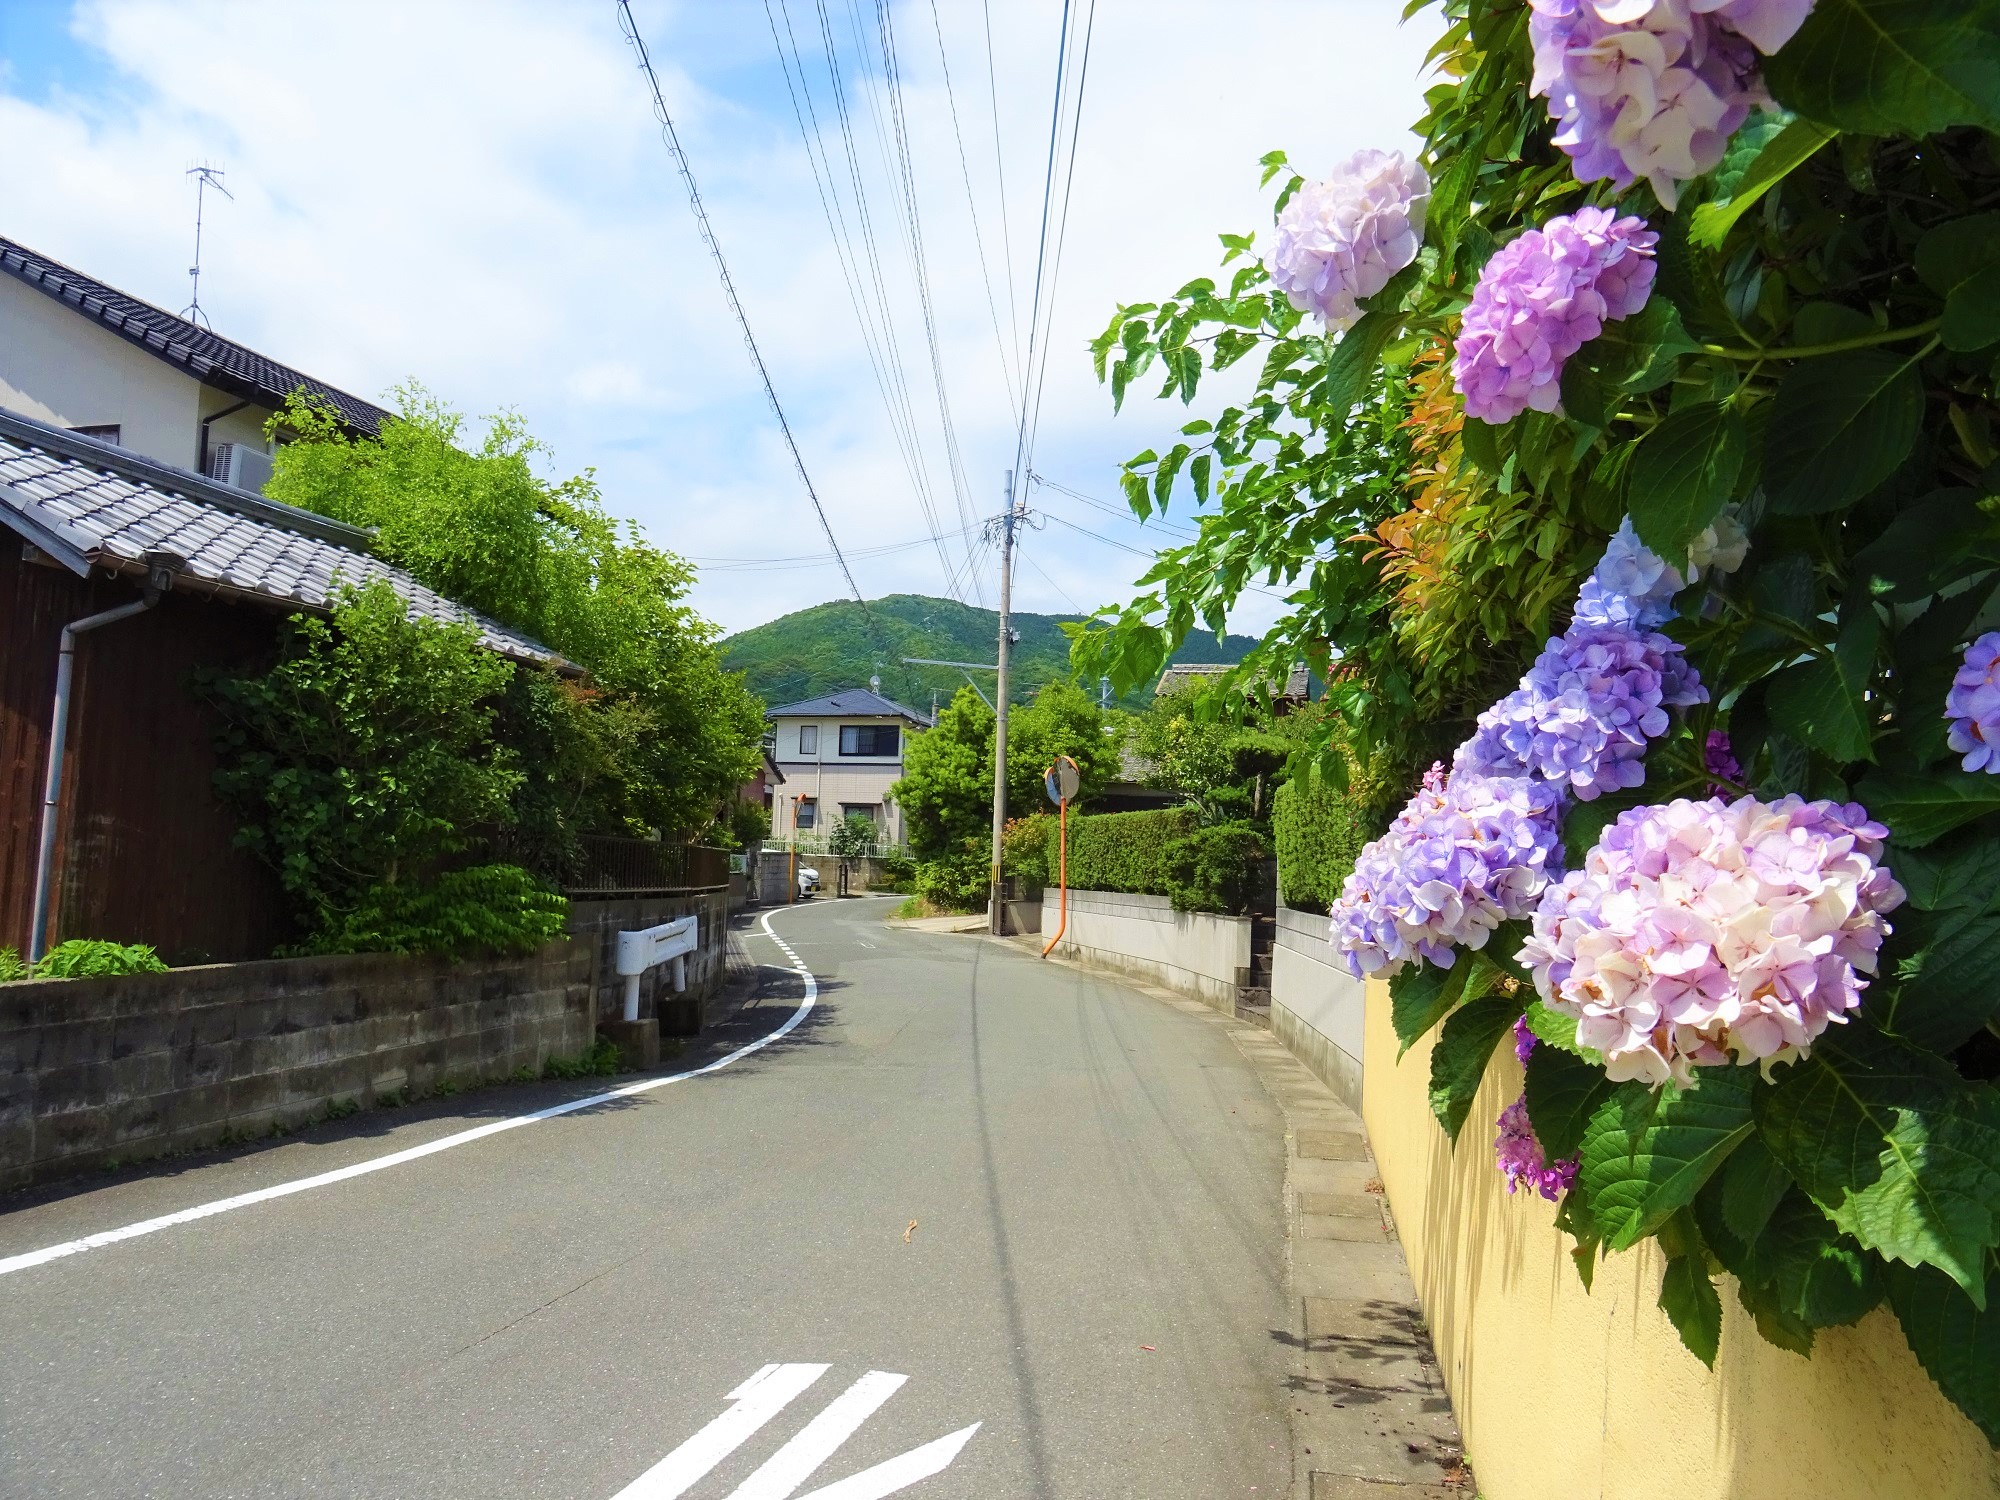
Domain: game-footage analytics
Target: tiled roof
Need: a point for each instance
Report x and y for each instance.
(859, 702)
(87, 503)
(1185, 674)
(220, 362)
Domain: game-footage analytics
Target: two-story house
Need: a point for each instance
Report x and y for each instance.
(840, 755)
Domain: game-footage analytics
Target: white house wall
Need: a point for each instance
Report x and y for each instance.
(830, 778)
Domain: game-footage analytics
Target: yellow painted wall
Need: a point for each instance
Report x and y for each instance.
(1568, 1395)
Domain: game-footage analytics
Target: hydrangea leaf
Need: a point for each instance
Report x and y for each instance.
(1922, 809)
(1777, 1325)
(1812, 1272)
(1687, 1295)
(1559, 1030)
(1421, 995)
(1684, 473)
(1960, 260)
(1458, 1062)
(1563, 1092)
(1822, 708)
(1898, 1150)
(1893, 67)
(1922, 549)
(1945, 990)
(1752, 1182)
(1840, 425)
(1956, 1339)
(1636, 1178)
(1789, 149)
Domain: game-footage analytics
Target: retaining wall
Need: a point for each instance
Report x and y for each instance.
(1318, 1009)
(1568, 1395)
(100, 1070)
(1198, 953)
(595, 926)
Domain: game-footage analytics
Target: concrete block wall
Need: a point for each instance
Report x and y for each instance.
(1318, 1009)
(100, 1070)
(595, 926)
(1198, 953)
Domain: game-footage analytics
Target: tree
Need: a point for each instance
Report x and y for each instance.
(853, 836)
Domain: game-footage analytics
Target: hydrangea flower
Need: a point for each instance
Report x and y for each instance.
(1465, 855)
(1718, 758)
(1341, 239)
(1524, 1040)
(1541, 298)
(1720, 548)
(1653, 88)
(1585, 713)
(1520, 1159)
(1631, 585)
(1973, 706)
(1707, 933)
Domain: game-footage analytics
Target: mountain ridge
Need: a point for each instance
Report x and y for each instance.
(826, 647)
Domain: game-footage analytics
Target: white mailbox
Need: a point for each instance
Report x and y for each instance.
(639, 951)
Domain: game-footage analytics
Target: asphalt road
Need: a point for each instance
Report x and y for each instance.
(1094, 1277)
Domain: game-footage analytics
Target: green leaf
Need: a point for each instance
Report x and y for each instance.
(1558, 1030)
(1900, 1151)
(1917, 553)
(1791, 148)
(1923, 808)
(1563, 1092)
(1752, 1181)
(1421, 995)
(1198, 472)
(1458, 1062)
(1955, 1338)
(1481, 443)
(1950, 987)
(1683, 474)
(1893, 67)
(1840, 425)
(1775, 1322)
(1583, 395)
(1825, 702)
(1635, 1182)
(1584, 823)
(1351, 364)
(1687, 1295)
(1960, 259)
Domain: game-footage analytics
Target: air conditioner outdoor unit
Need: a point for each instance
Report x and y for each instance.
(240, 466)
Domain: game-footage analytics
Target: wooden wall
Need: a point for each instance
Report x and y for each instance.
(146, 853)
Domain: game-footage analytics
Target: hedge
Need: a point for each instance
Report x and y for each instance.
(1128, 851)
(1319, 832)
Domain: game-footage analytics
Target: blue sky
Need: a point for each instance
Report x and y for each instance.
(473, 194)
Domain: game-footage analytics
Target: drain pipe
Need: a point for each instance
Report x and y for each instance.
(159, 579)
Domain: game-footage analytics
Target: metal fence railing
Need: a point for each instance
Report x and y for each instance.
(821, 844)
(648, 866)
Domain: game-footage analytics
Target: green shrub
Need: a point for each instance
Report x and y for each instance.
(601, 1061)
(1127, 851)
(1319, 831)
(958, 882)
(94, 958)
(489, 908)
(1218, 868)
(1028, 850)
(750, 823)
(11, 966)
(899, 870)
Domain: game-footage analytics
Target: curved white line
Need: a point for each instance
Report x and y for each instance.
(105, 1237)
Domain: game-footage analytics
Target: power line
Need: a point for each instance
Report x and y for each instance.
(672, 139)
(1157, 522)
(1062, 234)
(1000, 176)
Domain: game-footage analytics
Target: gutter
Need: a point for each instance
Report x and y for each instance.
(160, 577)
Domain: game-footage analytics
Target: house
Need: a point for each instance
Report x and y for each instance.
(1298, 687)
(839, 755)
(141, 849)
(77, 354)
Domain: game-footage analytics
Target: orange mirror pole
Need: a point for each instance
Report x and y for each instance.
(1062, 877)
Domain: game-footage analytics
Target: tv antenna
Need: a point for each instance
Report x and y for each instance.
(205, 177)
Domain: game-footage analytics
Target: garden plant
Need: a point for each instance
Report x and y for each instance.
(1629, 460)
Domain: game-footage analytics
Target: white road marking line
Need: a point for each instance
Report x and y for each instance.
(898, 1473)
(97, 1241)
(793, 1464)
(756, 1401)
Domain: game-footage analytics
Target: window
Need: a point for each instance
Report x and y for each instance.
(806, 815)
(105, 433)
(872, 811)
(870, 739)
(809, 739)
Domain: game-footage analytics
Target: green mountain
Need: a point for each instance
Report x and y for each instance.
(828, 647)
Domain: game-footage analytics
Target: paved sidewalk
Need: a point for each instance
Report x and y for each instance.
(1370, 1416)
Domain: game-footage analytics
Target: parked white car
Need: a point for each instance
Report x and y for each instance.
(808, 881)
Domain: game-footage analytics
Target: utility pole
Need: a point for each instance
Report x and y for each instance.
(995, 911)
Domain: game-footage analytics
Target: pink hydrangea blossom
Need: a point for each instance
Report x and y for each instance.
(1521, 1160)
(1653, 88)
(1465, 855)
(1342, 238)
(1707, 933)
(1541, 298)
(1973, 706)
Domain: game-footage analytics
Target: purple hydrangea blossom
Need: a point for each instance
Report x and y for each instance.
(1973, 706)
(1587, 709)
(1520, 1159)
(1524, 1040)
(1341, 239)
(1631, 585)
(1653, 88)
(1707, 933)
(1718, 758)
(1541, 298)
(1465, 855)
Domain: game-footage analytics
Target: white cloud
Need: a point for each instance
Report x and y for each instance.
(475, 195)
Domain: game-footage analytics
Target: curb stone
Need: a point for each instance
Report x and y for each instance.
(1370, 1417)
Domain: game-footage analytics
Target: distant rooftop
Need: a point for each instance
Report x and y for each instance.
(207, 356)
(857, 702)
(1186, 674)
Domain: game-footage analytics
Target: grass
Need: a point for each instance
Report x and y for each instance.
(910, 908)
